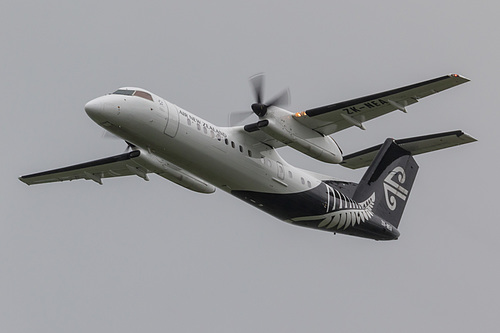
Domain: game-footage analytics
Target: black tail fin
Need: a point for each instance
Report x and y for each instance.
(390, 177)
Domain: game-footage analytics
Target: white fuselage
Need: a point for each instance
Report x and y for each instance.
(226, 157)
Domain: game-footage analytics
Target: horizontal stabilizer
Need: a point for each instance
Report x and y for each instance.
(415, 145)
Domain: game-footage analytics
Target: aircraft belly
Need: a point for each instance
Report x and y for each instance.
(310, 209)
(286, 206)
(224, 167)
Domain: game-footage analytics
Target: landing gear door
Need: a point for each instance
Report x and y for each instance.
(172, 120)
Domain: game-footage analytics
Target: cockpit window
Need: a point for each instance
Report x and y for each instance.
(143, 94)
(137, 93)
(124, 92)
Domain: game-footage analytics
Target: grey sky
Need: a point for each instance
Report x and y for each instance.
(135, 256)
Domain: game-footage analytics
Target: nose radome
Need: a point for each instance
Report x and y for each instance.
(94, 108)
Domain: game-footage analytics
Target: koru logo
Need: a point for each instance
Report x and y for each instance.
(393, 189)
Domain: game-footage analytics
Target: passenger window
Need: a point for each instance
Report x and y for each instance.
(241, 148)
(249, 153)
(226, 141)
(302, 180)
(198, 126)
(309, 184)
(189, 121)
(232, 144)
(290, 175)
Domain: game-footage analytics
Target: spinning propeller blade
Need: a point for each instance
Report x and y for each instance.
(109, 135)
(259, 107)
(236, 118)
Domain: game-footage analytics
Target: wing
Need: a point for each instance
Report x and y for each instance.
(115, 166)
(415, 145)
(336, 117)
(137, 162)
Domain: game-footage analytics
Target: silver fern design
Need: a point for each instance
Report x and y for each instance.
(351, 214)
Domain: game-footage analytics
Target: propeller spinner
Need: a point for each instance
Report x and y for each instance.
(259, 107)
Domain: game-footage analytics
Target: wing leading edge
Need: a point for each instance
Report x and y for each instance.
(137, 162)
(339, 116)
(114, 166)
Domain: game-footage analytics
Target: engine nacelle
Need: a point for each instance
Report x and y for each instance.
(307, 141)
(171, 172)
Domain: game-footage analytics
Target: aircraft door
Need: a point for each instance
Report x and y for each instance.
(172, 120)
(164, 112)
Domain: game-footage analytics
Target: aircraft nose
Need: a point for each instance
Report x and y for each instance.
(94, 108)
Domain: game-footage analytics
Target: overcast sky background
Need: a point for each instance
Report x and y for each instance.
(136, 256)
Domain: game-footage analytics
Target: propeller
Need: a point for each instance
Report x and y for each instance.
(259, 107)
(236, 118)
(109, 135)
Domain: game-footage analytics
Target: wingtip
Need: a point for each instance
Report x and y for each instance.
(23, 180)
(458, 76)
(466, 137)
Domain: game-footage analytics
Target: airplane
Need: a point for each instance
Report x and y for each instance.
(243, 160)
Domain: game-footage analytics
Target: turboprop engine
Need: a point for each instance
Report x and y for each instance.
(280, 125)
